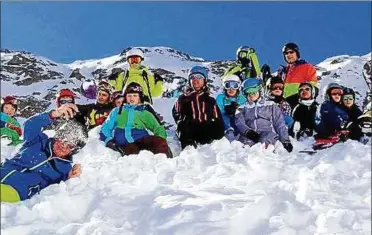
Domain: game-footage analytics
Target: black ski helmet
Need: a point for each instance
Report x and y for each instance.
(349, 91)
(291, 46)
(134, 88)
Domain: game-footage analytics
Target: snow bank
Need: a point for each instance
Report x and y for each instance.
(220, 188)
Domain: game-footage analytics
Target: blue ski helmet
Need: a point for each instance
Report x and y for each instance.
(200, 70)
(251, 85)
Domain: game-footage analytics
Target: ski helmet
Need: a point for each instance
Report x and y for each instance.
(231, 78)
(291, 46)
(275, 80)
(135, 52)
(72, 132)
(105, 86)
(9, 100)
(134, 88)
(331, 87)
(116, 95)
(242, 49)
(251, 85)
(349, 91)
(65, 93)
(198, 70)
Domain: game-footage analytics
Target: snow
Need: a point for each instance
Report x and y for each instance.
(220, 188)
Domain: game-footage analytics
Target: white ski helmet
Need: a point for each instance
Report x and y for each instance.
(135, 52)
(231, 78)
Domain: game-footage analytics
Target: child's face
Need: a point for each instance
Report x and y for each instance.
(9, 110)
(133, 98)
(231, 92)
(119, 101)
(253, 96)
(348, 100)
(61, 149)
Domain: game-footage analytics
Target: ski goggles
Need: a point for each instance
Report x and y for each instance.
(338, 92)
(276, 87)
(196, 76)
(289, 52)
(134, 89)
(134, 60)
(66, 101)
(348, 97)
(232, 85)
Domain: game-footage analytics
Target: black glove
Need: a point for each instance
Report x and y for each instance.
(158, 78)
(111, 144)
(252, 135)
(231, 108)
(288, 146)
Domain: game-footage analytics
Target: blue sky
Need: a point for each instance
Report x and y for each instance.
(68, 31)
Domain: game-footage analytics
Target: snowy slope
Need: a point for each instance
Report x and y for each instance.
(220, 188)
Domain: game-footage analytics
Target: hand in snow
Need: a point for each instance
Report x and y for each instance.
(66, 111)
(75, 172)
(288, 146)
(252, 135)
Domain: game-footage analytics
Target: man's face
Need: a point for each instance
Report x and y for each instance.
(197, 82)
(253, 96)
(305, 92)
(348, 100)
(103, 97)
(9, 110)
(62, 149)
(290, 56)
(133, 98)
(119, 101)
(277, 89)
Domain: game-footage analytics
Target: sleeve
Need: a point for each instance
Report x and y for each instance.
(108, 126)
(117, 81)
(240, 121)
(311, 75)
(156, 88)
(4, 119)
(176, 110)
(33, 126)
(279, 124)
(152, 124)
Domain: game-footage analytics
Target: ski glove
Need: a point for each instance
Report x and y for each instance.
(231, 108)
(288, 146)
(252, 135)
(158, 78)
(111, 144)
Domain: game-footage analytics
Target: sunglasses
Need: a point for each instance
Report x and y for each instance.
(196, 76)
(277, 88)
(304, 89)
(289, 52)
(348, 97)
(134, 60)
(66, 102)
(231, 85)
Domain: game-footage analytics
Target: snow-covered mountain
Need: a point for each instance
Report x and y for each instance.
(218, 189)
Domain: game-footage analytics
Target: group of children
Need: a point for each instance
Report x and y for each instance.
(254, 107)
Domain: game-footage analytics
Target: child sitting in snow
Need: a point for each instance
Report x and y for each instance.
(126, 128)
(42, 161)
(9, 125)
(228, 102)
(260, 120)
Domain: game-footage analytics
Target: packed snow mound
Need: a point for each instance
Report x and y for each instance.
(220, 188)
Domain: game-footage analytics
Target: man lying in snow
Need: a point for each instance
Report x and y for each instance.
(43, 161)
(260, 120)
(126, 128)
(10, 127)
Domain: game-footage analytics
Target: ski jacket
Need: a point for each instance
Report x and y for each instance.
(92, 115)
(35, 167)
(223, 101)
(333, 118)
